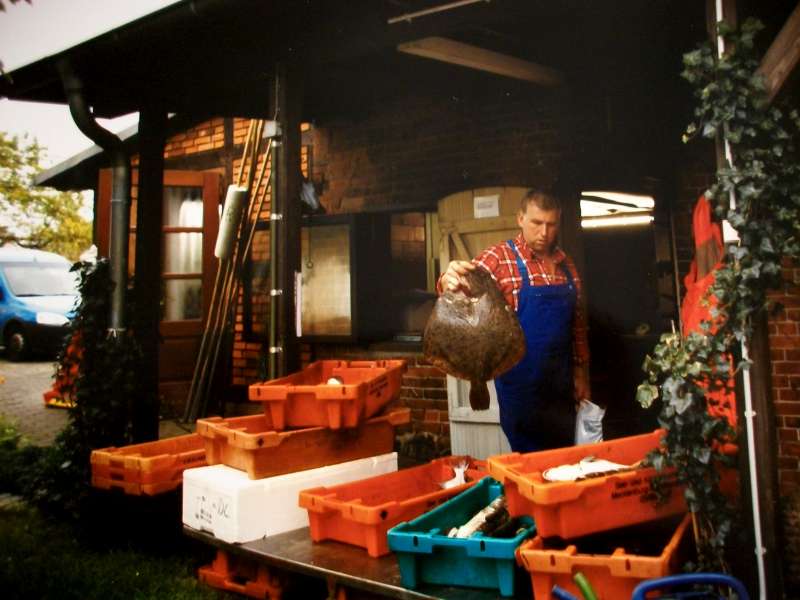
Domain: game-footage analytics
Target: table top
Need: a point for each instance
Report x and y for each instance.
(343, 563)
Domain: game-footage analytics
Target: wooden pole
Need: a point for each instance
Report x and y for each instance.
(147, 282)
(289, 99)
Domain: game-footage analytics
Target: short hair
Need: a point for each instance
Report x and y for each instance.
(543, 200)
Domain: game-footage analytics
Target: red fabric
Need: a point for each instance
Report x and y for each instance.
(697, 304)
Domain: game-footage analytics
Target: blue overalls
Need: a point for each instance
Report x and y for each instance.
(537, 409)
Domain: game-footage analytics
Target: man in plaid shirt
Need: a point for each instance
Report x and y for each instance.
(538, 396)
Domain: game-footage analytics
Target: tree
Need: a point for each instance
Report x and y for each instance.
(32, 217)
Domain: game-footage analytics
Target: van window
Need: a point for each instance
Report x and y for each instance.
(40, 279)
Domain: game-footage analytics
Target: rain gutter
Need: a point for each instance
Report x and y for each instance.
(120, 191)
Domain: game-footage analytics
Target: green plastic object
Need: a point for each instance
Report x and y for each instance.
(584, 586)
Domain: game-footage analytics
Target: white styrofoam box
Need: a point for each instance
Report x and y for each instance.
(226, 503)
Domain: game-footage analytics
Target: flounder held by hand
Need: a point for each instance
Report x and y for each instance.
(474, 336)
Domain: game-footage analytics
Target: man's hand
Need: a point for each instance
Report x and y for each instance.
(455, 276)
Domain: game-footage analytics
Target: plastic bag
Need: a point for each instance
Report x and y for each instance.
(589, 423)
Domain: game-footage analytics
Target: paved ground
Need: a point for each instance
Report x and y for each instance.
(21, 401)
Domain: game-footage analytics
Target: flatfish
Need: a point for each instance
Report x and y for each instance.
(474, 336)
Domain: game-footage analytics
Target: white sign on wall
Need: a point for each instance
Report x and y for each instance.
(486, 206)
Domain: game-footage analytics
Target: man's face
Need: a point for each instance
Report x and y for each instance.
(539, 227)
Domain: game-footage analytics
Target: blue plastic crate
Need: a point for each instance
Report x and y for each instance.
(426, 555)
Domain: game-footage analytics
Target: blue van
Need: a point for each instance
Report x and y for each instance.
(38, 297)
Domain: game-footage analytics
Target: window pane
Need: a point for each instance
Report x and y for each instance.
(183, 207)
(326, 280)
(183, 252)
(183, 299)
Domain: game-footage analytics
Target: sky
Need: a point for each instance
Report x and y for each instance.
(29, 32)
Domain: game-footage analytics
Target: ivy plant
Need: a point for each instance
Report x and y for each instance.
(99, 373)
(758, 192)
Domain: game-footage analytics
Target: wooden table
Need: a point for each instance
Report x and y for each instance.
(344, 565)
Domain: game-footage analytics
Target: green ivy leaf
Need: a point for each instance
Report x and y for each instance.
(646, 394)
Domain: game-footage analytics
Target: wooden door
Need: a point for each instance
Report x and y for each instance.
(190, 219)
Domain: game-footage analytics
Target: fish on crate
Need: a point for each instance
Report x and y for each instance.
(474, 336)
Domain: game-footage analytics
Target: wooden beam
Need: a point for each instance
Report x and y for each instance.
(782, 56)
(466, 55)
(286, 188)
(147, 315)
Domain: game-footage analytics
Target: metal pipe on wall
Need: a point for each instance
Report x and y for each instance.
(274, 223)
(120, 191)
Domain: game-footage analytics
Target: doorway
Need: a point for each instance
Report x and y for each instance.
(630, 300)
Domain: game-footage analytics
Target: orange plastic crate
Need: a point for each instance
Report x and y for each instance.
(251, 443)
(361, 512)
(133, 488)
(305, 399)
(575, 508)
(241, 576)
(613, 575)
(157, 465)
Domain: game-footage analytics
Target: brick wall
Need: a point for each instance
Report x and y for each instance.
(209, 135)
(417, 150)
(784, 341)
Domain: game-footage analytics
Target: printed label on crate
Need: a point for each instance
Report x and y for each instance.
(644, 487)
(377, 386)
(211, 509)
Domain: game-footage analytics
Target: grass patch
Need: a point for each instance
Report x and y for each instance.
(41, 558)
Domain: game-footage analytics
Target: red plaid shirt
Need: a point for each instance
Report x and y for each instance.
(501, 262)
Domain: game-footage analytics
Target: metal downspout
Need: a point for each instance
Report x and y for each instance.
(120, 191)
(749, 413)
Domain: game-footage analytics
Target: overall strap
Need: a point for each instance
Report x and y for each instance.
(563, 266)
(523, 270)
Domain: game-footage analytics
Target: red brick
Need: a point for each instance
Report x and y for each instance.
(788, 435)
(791, 422)
(782, 341)
(787, 408)
(431, 415)
(435, 394)
(424, 372)
(779, 381)
(788, 395)
(411, 392)
(792, 477)
(786, 368)
(789, 449)
(787, 462)
(440, 382)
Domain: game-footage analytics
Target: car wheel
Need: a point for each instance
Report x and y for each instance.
(16, 344)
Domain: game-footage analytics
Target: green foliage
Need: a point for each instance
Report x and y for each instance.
(107, 384)
(17, 457)
(38, 218)
(764, 179)
(105, 391)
